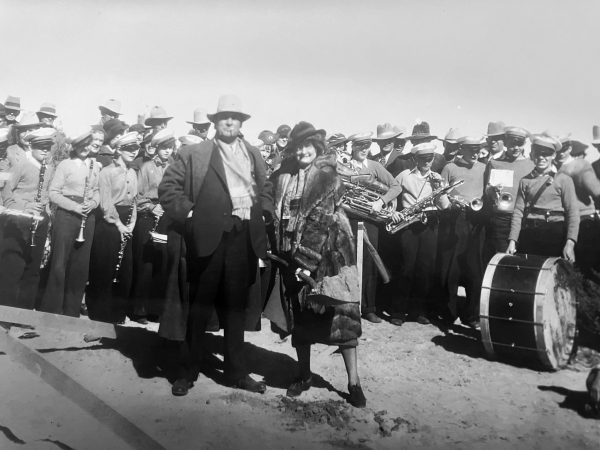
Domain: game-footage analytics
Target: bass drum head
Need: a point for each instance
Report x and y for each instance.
(557, 311)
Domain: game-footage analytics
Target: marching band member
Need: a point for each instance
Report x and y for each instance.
(25, 195)
(361, 144)
(461, 232)
(418, 242)
(587, 188)
(501, 180)
(111, 257)
(74, 191)
(546, 217)
(149, 263)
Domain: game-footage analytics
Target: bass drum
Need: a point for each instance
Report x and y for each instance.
(528, 310)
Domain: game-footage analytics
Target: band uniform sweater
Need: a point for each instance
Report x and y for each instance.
(558, 197)
(518, 169)
(472, 176)
(70, 180)
(20, 190)
(374, 168)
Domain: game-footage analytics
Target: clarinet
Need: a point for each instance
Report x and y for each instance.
(38, 198)
(81, 238)
(124, 241)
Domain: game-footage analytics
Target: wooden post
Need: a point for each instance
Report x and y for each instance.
(360, 234)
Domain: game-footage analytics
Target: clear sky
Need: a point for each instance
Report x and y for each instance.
(342, 65)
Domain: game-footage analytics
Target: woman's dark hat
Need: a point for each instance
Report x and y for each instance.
(302, 131)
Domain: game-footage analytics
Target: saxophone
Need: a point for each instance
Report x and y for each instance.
(124, 241)
(38, 198)
(416, 212)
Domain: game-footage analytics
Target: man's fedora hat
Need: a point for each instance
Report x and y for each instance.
(596, 134)
(302, 131)
(157, 115)
(421, 131)
(112, 106)
(495, 128)
(387, 131)
(13, 103)
(200, 117)
(229, 104)
(452, 136)
(47, 109)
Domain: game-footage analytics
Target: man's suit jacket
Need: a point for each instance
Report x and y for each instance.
(196, 181)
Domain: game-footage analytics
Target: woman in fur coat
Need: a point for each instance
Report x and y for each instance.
(313, 236)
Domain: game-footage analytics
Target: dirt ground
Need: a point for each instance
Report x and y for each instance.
(425, 388)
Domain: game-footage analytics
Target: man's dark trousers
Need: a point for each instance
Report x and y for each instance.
(221, 280)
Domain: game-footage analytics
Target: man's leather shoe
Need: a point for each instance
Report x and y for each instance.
(372, 317)
(181, 387)
(396, 321)
(299, 386)
(357, 397)
(423, 320)
(248, 384)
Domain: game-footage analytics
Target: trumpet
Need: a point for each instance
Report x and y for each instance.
(475, 204)
(504, 201)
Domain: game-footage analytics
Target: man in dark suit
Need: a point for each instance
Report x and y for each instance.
(215, 191)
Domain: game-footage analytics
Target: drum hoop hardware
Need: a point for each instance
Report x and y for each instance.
(512, 291)
(537, 350)
(510, 319)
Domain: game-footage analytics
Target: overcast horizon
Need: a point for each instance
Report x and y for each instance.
(342, 65)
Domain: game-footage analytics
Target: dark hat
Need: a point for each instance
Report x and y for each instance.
(112, 128)
(138, 128)
(47, 109)
(495, 128)
(578, 148)
(283, 131)
(268, 137)
(336, 139)
(302, 131)
(421, 131)
(13, 103)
